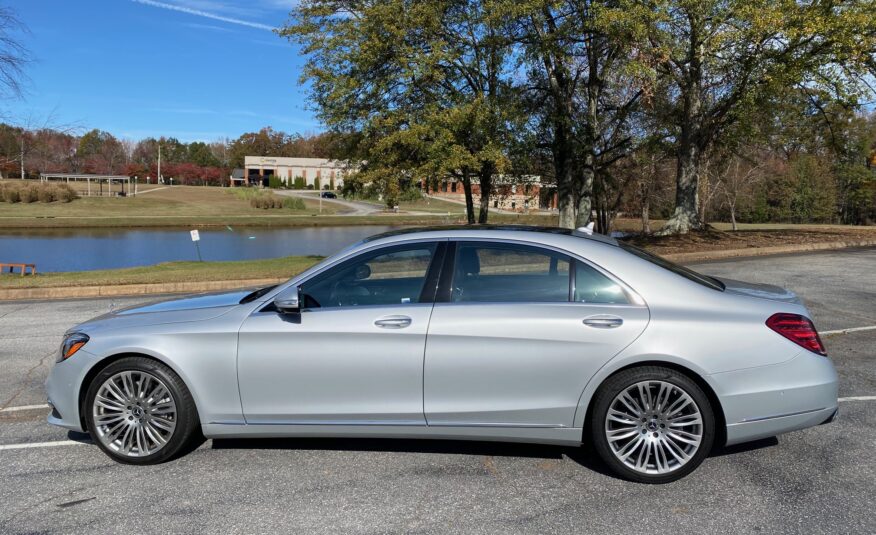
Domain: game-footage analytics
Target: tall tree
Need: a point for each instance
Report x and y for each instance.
(586, 90)
(722, 57)
(431, 76)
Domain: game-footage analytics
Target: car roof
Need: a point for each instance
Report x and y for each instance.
(461, 230)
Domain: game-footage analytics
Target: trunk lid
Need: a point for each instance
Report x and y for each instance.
(761, 291)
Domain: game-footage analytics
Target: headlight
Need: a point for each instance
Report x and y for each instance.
(72, 343)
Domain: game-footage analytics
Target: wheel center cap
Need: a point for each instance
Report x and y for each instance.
(137, 412)
(652, 425)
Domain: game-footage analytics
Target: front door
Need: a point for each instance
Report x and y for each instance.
(524, 330)
(354, 354)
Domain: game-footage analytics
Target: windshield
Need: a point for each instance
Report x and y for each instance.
(687, 273)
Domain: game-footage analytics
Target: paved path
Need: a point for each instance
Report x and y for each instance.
(821, 480)
(353, 207)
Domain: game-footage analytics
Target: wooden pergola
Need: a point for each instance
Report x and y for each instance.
(123, 180)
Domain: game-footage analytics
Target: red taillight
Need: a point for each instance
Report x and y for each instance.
(798, 329)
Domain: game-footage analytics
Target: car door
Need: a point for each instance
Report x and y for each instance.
(520, 332)
(354, 353)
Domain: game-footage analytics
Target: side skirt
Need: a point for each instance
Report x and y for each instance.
(566, 436)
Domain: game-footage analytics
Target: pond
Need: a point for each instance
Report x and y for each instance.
(88, 249)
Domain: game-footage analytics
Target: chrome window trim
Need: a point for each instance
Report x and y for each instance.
(260, 305)
(635, 299)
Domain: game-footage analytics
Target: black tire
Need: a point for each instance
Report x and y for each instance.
(615, 385)
(187, 424)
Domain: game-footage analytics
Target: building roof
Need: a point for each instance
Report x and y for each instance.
(294, 162)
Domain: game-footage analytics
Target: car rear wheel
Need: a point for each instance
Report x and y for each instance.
(140, 412)
(652, 424)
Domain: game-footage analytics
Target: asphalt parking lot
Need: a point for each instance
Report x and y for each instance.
(821, 480)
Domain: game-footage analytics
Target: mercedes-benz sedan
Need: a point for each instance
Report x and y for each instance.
(498, 333)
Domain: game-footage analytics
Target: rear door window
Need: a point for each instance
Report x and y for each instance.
(509, 273)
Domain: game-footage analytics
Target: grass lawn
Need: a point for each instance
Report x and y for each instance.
(169, 271)
(154, 206)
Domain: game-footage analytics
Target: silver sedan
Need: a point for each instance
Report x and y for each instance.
(498, 333)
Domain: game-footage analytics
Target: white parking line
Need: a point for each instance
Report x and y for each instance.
(851, 330)
(858, 398)
(24, 408)
(42, 445)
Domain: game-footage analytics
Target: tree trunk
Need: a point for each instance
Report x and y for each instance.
(691, 141)
(646, 208)
(685, 218)
(585, 197)
(486, 183)
(562, 152)
(469, 200)
(733, 216)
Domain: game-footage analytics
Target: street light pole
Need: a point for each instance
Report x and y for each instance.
(159, 162)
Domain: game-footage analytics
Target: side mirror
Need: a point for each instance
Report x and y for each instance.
(288, 302)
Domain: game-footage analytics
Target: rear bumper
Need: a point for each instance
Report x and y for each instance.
(769, 400)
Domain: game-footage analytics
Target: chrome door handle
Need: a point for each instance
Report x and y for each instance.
(604, 322)
(393, 322)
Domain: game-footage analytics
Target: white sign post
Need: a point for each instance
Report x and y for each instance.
(196, 237)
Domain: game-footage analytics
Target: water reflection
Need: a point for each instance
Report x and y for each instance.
(87, 249)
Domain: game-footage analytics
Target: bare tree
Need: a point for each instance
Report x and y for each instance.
(30, 127)
(14, 57)
(738, 180)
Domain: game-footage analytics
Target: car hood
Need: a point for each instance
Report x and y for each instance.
(762, 291)
(196, 308)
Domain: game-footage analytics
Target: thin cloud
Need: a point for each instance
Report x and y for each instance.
(199, 13)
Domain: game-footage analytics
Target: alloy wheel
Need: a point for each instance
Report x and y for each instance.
(654, 427)
(134, 413)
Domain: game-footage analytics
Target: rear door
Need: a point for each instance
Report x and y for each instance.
(520, 331)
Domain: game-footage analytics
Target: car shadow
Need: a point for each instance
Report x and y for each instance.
(746, 447)
(579, 455)
(584, 456)
(76, 436)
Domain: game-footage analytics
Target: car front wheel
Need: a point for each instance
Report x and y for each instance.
(652, 424)
(140, 412)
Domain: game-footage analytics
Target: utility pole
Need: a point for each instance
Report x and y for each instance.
(159, 162)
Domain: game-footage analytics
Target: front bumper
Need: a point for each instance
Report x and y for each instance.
(766, 401)
(62, 389)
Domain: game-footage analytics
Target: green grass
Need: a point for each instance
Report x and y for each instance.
(175, 206)
(168, 272)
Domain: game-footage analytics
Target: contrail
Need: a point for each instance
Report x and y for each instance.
(199, 13)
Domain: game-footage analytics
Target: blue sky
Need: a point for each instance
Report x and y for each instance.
(193, 69)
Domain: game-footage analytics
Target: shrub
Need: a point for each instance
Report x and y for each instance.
(266, 202)
(41, 192)
(294, 203)
(411, 193)
(10, 194)
(300, 183)
(274, 182)
(66, 193)
(29, 194)
(46, 194)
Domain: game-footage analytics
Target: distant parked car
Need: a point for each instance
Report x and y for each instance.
(328, 195)
(519, 334)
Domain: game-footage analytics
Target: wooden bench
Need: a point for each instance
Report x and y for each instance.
(22, 267)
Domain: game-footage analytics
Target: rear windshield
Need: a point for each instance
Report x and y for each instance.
(688, 274)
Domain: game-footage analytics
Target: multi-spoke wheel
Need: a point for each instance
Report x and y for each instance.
(652, 424)
(134, 413)
(139, 411)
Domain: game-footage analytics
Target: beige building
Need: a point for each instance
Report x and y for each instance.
(258, 169)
